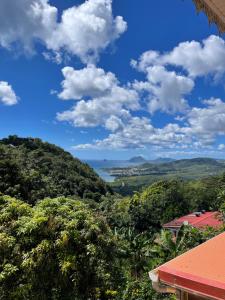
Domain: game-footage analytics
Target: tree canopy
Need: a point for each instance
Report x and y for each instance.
(32, 170)
(65, 235)
(58, 249)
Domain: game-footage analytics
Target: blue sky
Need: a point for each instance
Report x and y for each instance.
(113, 79)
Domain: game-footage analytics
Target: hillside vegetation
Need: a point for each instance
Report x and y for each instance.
(133, 179)
(31, 170)
(56, 243)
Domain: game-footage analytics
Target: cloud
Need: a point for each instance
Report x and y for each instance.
(24, 21)
(196, 58)
(221, 147)
(128, 137)
(146, 60)
(203, 125)
(208, 122)
(7, 94)
(101, 100)
(84, 30)
(113, 123)
(97, 111)
(139, 133)
(87, 29)
(55, 57)
(166, 90)
(167, 86)
(88, 82)
(104, 97)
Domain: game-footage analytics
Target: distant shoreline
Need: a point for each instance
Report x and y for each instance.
(102, 167)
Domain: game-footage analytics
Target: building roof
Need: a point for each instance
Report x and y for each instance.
(199, 271)
(198, 220)
(215, 11)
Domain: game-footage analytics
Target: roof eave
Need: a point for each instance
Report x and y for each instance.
(191, 284)
(213, 14)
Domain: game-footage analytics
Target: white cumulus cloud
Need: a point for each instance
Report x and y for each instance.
(83, 30)
(203, 126)
(87, 82)
(196, 58)
(97, 111)
(171, 75)
(24, 21)
(101, 100)
(209, 121)
(139, 133)
(87, 29)
(7, 94)
(100, 97)
(166, 89)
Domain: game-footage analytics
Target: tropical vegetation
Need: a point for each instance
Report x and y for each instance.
(31, 170)
(65, 235)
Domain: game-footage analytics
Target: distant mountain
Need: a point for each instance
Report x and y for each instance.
(133, 179)
(31, 170)
(137, 159)
(182, 164)
(195, 161)
(161, 160)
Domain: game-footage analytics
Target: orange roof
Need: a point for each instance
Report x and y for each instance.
(215, 11)
(200, 270)
(198, 220)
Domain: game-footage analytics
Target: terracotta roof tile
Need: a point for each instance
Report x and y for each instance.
(212, 219)
(200, 270)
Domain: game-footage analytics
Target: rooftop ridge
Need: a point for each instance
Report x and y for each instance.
(199, 271)
(205, 219)
(200, 219)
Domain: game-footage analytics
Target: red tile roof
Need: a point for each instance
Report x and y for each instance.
(199, 271)
(212, 219)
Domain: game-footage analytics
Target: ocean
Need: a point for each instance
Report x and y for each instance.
(99, 165)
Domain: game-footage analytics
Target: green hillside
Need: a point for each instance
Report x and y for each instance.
(32, 170)
(69, 248)
(132, 179)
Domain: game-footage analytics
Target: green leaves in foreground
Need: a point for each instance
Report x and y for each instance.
(56, 250)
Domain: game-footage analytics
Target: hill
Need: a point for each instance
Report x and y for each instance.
(31, 169)
(184, 163)
(161, 160)
(137, 159)
(132, 179)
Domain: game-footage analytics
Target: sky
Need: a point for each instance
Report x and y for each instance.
(112, 79)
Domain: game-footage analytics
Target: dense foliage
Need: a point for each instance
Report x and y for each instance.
(57, 249)
(58, 242)
(138, 221)
(31, 170)
(157, 205)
